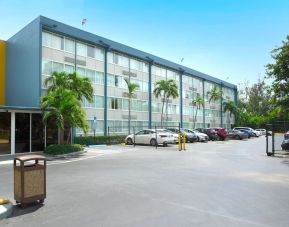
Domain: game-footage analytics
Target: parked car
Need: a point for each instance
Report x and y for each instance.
(201, 137)
(148, 136)
(247, 132)
(285, 145)
(261, 130)
(211, 133)
(221, 132)
(255, 133)
(236, 134)
(190, 137)
(175, 135)
(286, 135)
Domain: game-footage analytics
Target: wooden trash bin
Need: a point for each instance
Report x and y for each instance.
(29, 179)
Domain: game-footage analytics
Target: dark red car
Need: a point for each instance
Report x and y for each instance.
(221, 132)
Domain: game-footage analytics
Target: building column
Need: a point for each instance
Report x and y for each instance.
(221, 105)
(30, 131)
(204, 116)
(150, 94)
(12, 132)
(181, 96)
(105, 92)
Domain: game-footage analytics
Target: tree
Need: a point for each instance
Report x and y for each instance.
(81, 87)
(63, 106)
(63, 101)
(214, 94)
(231, 108)
(165, 89)
(198, 103)
(279, 72)
(131, 87)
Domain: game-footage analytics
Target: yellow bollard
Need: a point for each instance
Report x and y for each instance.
(179, 141)
(185, 140)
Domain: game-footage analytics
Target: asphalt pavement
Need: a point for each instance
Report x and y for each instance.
(231, 183)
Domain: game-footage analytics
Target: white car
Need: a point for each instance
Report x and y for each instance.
(150, 137)
(175, 135)
(201, 137)
(261, 130)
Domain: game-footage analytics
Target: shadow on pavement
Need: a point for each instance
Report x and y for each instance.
(18, 211)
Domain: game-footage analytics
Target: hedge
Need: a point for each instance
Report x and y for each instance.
(63, 149)
(91, 140)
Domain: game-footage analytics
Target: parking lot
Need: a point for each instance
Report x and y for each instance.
(221, 183)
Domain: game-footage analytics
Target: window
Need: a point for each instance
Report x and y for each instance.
(81, 71)
(125, 103)
(99, 54)
(145, 67)
(115, 60)
(90, 52)
(110, 80)
(58, 67)
(124, 61)
(135, 64)
(52, 40)
(110, 57)
(46, 67)
(69, 45)
(69, 69)
(81, 49)
(99, 78)
(116, 84)
(90, 75)
(114, 103)
(87, 104)
(98, 101)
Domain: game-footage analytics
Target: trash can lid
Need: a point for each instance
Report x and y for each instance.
(25, 158)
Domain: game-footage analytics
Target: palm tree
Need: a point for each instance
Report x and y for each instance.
(231, 108)
(214, 94)
(131, 87)
(198, 103)
(165, 89)
(63, 101)
(64, 107)
(80, 86)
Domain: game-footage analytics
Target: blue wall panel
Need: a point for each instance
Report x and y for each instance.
(23, 67)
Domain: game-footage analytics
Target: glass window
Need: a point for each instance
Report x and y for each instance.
(46, 67)
(90, 75)
(81, 49)
(52, 40)
(58, 67)
(124, 61)
(114, 103)
(37, 133)
(90, 51)
(116, 59)
(116, 81)
(5, 132)
(81, 71)
(125, 103)
(135, 64)
(69, 45)
(98, 101)
(99, 54)
(99, 78)
(145, 67)
(22, 132)
(110, 80)
(110, 57)
(69, 69)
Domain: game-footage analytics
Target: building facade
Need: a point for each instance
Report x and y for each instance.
(45, 46)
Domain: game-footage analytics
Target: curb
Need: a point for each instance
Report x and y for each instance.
(6, 210)
(54, 157)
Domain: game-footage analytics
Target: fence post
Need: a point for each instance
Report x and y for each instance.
(133, 136)
(156, 137)
(108, 134)
(273, 140)
(179, 138)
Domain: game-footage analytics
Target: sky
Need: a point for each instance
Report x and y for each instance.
(227, 39)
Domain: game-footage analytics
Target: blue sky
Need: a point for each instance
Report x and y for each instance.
(229, 39)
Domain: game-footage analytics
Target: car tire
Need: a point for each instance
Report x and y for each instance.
(129, 141)
(153, 142)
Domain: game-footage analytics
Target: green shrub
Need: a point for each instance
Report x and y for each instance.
(90, 140)
(63, 149)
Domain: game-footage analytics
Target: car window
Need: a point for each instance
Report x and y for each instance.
(141, 132)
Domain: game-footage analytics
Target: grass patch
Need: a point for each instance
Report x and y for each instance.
(58, 149)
